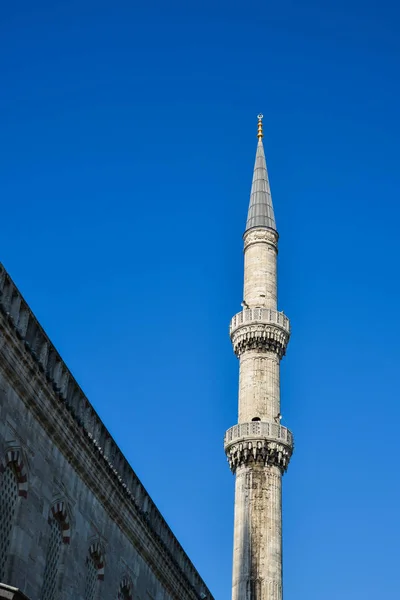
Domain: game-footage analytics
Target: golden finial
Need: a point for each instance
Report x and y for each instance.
(260, 134)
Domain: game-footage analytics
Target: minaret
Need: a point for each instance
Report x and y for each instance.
(259, 447)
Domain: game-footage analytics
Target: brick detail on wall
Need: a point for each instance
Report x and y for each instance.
(97, 554)
(59, 512)
(14, 457)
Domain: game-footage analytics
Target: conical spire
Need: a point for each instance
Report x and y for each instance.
(261, 211)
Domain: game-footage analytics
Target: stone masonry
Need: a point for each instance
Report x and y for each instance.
(75, 521)
(259, 448)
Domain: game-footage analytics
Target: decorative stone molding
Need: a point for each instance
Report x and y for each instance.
(15, 458)
(125, 591)
(260, 329)
(261, 235)
(258, 442)
(59, 512)
(97, 554)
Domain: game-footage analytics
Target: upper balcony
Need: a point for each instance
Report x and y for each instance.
(261, 329)
(262, 442)
(256, 430)
(254, 316)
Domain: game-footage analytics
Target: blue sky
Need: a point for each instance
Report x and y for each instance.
(128, 135)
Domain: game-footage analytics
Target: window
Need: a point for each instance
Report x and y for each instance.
(91, 578)
(125, 589)
(8, 501)
(50, 578)
(94, 570)
(124, 594)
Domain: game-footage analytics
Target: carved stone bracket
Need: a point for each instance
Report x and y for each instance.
(258, 442)
(259, 451)
(260, 337)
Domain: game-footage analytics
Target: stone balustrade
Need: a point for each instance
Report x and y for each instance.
(24, 325)
(256, 429)
(259, 315)
(259, 441)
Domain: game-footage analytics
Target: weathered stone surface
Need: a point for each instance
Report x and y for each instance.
(257, 565)
(69, 470)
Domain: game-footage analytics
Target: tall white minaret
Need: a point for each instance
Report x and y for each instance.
(259, 448)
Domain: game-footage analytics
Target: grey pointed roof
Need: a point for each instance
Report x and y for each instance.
(261, 211)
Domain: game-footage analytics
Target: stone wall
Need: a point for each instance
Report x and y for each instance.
(70, 474)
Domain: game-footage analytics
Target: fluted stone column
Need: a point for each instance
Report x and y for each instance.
(259, 448)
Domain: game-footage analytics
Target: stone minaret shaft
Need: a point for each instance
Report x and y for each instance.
(259, 448)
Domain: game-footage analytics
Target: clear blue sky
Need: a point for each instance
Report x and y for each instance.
(128, 135)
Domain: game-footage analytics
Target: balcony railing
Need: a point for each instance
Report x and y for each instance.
(260, 315)
(257, 429)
